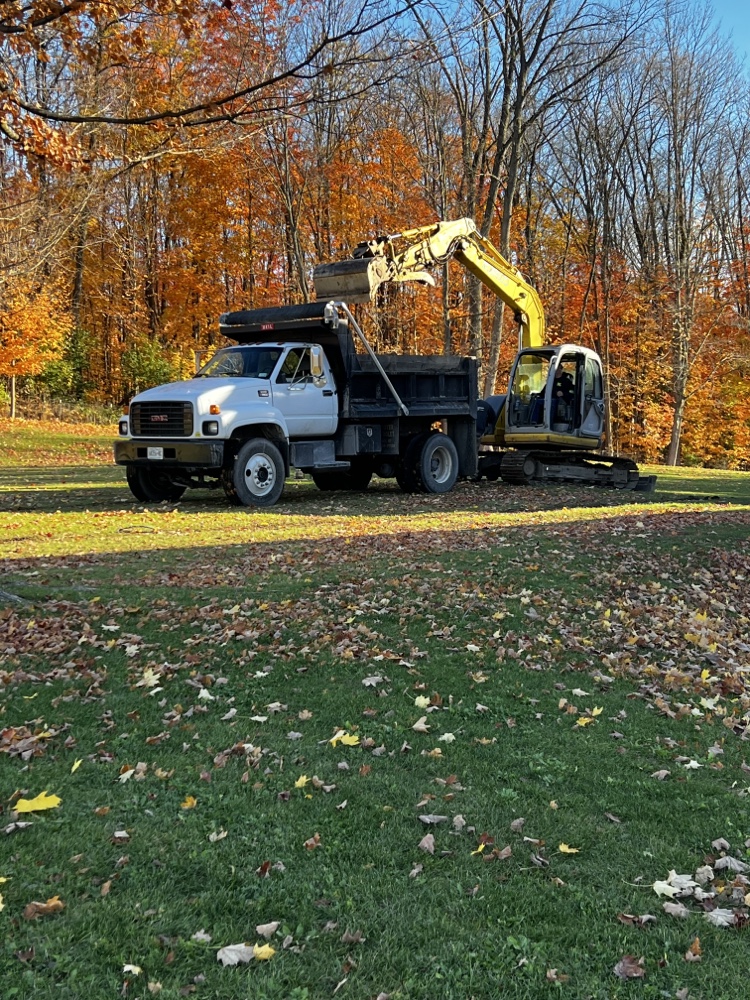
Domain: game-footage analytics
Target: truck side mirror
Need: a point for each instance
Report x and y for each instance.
(316, 361)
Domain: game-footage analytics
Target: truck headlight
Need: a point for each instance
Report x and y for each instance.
(210, 426)
(123, 427)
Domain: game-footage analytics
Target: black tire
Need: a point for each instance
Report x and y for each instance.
(258, 474)
(407, 471)
(152, 485)
(438, 464)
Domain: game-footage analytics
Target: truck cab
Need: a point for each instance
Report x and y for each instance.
(293, 392)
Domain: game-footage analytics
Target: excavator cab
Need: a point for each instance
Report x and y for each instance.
(555, 399)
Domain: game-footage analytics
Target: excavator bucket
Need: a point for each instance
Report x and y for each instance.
(354, 280)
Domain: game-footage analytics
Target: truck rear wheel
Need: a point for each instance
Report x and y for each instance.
(152, 485)
(258, 474)
(438, 464)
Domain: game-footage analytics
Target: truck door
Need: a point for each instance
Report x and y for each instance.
(309, 404)
(592, 400)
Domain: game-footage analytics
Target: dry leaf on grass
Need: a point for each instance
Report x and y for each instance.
(694, 952)
(427, 843)
(267, 930)
(34, 910)
(233, 954)
(630, 967)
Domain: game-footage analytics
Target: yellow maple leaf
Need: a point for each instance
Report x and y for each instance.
(341, 736)
(190, 802)
(596, 711)
(262, 952)
(566, 849)
(584, 721)
(76, 765)
(41, 801)
(302, 781)
(479, 850)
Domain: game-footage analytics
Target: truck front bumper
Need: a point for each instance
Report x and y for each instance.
(185, 454)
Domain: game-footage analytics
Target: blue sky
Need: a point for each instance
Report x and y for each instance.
(735, 17)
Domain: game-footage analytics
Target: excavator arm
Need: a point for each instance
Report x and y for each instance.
(408, 256)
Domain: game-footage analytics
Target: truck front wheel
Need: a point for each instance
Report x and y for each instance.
(152, 485)
(438, 464)
(258, 474)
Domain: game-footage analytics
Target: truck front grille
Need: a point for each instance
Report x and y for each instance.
(161, 419)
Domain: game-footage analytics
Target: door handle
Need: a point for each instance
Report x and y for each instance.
(328, 392)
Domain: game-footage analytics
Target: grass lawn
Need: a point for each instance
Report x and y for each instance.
(543, 700)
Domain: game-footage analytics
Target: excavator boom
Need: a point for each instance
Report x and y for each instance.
(408, 256)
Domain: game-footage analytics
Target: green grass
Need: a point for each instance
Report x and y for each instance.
(516, 613)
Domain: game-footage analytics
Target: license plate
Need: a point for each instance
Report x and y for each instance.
(155, 453)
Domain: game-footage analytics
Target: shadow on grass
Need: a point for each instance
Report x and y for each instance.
(103, 488)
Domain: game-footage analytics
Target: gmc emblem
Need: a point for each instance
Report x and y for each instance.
(159, 418)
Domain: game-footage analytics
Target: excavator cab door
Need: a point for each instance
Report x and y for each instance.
(592, 401)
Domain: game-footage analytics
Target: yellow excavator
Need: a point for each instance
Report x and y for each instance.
(550, 423)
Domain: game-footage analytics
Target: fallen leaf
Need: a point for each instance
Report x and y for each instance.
(630, 967)
(190, 802)
(349, 937)
(233, 954)
(517, 825)
(263, 952)
(201, 937)
(341, 736)
(731, 864)
(312, 842)
(15, 827)
(631, 920)
(302, 781)
(420, 726)
(694, 952)
(660, 775)
(267, 930)
(216, 836)
(427, 844)
(720, 917)
(676, 909)
(76, 765)
(565, 849)
(134, 970)
(41, 801)
(32, 911)
(430, 819)
(665, 889)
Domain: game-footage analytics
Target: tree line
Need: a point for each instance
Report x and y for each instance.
(165, 161)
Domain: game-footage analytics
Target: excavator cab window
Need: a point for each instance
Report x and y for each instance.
(528, 390)
(565, 408)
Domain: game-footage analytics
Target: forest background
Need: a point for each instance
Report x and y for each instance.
(164, 161)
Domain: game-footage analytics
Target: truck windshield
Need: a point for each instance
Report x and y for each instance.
(241, 362)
